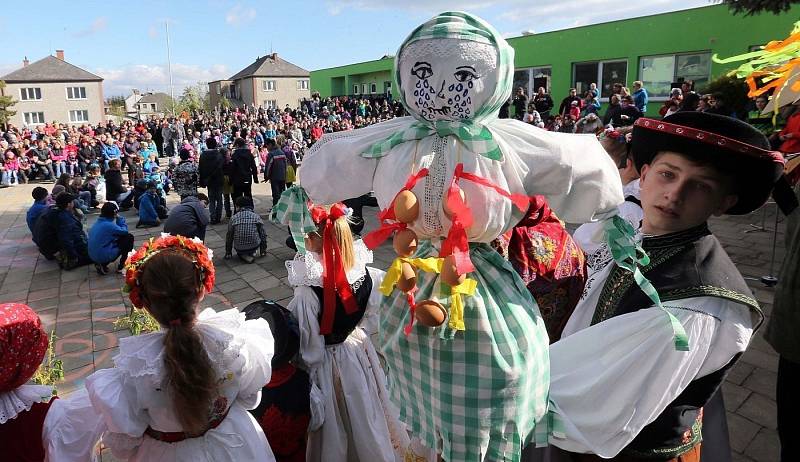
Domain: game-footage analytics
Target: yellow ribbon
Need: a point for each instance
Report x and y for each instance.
(429, 265)
(457, 304)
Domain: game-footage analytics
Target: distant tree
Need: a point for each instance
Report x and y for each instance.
(5, 103)
(224, 103)
(733, 92)
(190, 99)
(752, 7)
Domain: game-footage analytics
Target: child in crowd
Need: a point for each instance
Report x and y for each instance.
(135, 170)
(150, 161)
(23, 168)
(95, 184)
(149, 205)
(360, 422)
(73, 168)
(59, 158)
(10, 169)
(246, 232)
(182, 393)
(290, 407)
(39, 206)
(109, 239)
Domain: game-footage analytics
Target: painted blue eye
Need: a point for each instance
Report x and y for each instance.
(465, 75)
(422, 72)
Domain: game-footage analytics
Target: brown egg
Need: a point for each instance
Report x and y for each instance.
(406, 207)
(449, 213)
(408, 278)
(449, 274)
(430, 313)
(405, 242)
(313, 243)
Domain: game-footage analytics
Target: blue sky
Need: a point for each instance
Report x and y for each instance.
(124, 41)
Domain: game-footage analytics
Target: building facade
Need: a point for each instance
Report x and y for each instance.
(660, 50)
(52, 89)
(269, 82)
(153, 104)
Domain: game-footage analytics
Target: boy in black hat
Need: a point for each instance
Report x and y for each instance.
(285, 411)
(622, 382)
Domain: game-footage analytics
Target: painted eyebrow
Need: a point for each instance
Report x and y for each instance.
(465, 67)
(420, 63)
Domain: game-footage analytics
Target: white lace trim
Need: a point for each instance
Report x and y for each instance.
(144, 354)
(306, 270)
(22, 399)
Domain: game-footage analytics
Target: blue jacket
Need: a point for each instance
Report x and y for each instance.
(147, 208)
(36, 210)
(640, 99)
(71, 236)
(111, 151)
(103, 237)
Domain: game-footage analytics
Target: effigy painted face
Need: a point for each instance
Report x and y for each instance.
(447, 79)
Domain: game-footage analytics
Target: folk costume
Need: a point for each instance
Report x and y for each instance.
(360, 423)
(133, 399)
(464, 343)
(656, 411)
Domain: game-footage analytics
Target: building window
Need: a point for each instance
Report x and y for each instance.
(387, 88)
(532, 78)
(271, 104)
(660, 73)
(268, 85)
(153, 107)
(33, 118)
(604, 73)
(373, 88)
(219, 91)
(302, 84)
(79, 116)
(76, 92)
(355, 88)
(30, 94)
(363, 88)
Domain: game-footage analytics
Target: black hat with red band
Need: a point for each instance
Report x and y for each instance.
(730, 145)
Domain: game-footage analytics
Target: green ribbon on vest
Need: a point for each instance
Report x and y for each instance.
(292, 210)
(629, 255)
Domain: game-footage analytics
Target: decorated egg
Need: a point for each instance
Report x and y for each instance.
(449, 213)
(408, 278)
(449, 274)
(430, 313)
(406, 207)
(405, 242)
(313, 243)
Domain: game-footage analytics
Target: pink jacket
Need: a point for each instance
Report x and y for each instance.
(58, 155)
(11, 164)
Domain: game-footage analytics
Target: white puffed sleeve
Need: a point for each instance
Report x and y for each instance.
(114, 396)
(72, 429)
(257, 350)
(317, 400)
(371, 320)
(575, 174)
(305, 307)
(610, 380)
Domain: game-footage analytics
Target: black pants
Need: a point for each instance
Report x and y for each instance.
(125, 244)
(215, 203)
(788, 402)
(277, 189)
(241, 189)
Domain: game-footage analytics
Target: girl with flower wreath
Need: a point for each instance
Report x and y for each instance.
(334, 293)
(182, 393)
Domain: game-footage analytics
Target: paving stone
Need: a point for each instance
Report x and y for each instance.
(42, 294)
(760, 410)
(277, 293)
(741, 431)
(734, 395)
(232, 286)
(760, 359)
(266, 283)
(76, 360)
(237, 297)
(762, 381)
(765, 447)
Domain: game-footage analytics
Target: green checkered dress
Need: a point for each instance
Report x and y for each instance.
(478, 394)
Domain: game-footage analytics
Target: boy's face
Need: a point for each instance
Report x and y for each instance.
(678, 194)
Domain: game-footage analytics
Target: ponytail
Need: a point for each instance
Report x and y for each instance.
(171, 286)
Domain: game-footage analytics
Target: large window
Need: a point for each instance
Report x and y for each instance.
(270, 104)
(604, 73)
(660, 73)
(373, 88)
(269, 85)
(302, 84)
(30, 94)
(76, 92)
(355, 88)
(33, 118)
(532, 78)
(79, 116)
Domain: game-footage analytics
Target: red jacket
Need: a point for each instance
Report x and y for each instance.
(791, 145)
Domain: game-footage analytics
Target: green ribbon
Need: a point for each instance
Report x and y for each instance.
(292, 210)
(474, 135)
(629, 255)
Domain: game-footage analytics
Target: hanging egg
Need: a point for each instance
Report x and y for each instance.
(406, 207)
(313, 243)
(408, 278)
(405, 243)
(447, 211)
(450, 275)
(430, 313)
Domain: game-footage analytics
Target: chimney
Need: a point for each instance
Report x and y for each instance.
(25, 62)
(274, 56)
(60, 54)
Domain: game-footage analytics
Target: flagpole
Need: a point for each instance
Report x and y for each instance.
(169, 70)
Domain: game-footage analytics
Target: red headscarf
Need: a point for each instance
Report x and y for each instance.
(23, 343)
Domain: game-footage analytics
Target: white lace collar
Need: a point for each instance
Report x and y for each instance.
(306, 270)
(632, 189)
(21, 399)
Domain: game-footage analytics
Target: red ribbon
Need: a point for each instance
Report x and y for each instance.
(334, 276)
(412, 308)
(387, 217)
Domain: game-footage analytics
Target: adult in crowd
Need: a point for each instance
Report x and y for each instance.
(640, 96)
(543, 103)
(42, 163)
(184, 177)
(109, 239)
(520, 102)
(628, 113)
(762, 122)
(275, 168)
(210, 172)
(566, 103)
(243, 169)
(614, 109)
(790, 134)
(189, 218)
(116, 189)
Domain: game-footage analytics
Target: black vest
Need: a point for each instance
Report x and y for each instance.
(343, 323)
(686, 264)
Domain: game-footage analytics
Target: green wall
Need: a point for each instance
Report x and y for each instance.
(707, 29)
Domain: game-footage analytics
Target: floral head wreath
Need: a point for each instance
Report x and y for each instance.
(616, 136)
(201, 256)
